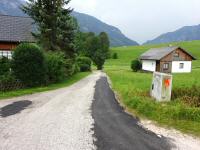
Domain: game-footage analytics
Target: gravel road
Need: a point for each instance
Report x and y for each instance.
(54, 120)
(84, 116)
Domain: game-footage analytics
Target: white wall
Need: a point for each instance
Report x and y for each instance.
(176, 67)
(149, 65)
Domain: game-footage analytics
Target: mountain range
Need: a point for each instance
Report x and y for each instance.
(86, 22)
(187, 33)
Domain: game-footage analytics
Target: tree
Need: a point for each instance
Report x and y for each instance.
(100, 49)
(99, 59)
(56, 27)
(95, 47)
(67, 29)
(105, 43)
(81, 43)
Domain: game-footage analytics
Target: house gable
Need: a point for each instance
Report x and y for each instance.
(177, 55)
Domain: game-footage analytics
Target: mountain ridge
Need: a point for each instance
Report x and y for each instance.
(86, 22)
(186, 33)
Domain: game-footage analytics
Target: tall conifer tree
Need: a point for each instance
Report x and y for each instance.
(56, 27)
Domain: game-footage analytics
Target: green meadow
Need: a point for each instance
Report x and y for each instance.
(133, 89)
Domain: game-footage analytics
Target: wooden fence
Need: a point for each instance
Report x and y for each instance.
(8, 86)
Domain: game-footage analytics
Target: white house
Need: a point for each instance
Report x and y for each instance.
(170, 59)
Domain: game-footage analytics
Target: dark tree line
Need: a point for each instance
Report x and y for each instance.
(94, 46)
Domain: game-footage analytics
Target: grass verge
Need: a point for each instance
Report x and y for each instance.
(133, 89)
(64, 83)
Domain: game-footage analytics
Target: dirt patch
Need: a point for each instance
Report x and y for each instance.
(14, 108)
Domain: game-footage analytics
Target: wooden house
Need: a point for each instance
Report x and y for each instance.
(13, 31)
(170, 59)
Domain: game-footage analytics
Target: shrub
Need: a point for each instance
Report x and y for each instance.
(8, 82)
(4, 65)
(70, 66)
(189, 96)
(29, 65)
(76, 68)
(84, 63)
(56, 70)
(115, 56)
(7, 78)
(136, 65)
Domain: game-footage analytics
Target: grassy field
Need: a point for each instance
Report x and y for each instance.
(62, 84)
(133, 88)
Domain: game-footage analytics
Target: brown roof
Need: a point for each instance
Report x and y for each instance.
(16, 29)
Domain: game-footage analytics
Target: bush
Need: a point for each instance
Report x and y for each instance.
(136, 65)
(56, 70)
(7, 78)
(115, 56)
(76, 68)
(84, 64)
(8, 82)
(4, 65)
(70, 66)
(189, 96)
(29, 65)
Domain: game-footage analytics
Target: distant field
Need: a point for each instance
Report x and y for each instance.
(134, 88)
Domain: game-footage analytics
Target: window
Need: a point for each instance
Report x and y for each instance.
(176, 54)
(6, 53)
(181, 65)
(166, 66)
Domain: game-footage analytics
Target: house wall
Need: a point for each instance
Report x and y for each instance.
(174, 62)
(149, 65)
(186, 69)
(7, 46)
(6, 49)
(162, 66)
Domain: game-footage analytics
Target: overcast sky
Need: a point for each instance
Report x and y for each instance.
(142, 20)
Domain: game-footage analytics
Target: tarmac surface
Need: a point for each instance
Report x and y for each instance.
(115, 129)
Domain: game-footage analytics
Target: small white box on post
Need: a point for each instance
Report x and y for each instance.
(161, 86)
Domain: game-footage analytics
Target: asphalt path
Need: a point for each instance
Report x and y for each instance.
(116, 130)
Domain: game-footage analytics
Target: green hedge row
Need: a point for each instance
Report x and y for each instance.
(33, 67)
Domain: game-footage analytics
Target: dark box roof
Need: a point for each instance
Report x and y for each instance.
(16, 29)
